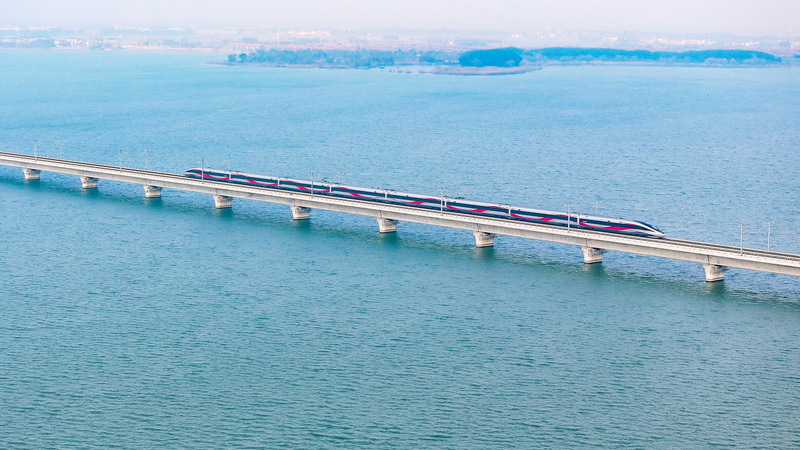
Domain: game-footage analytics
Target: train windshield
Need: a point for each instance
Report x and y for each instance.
(650, 226)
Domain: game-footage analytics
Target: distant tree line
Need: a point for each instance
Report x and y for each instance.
(576, 54)
(499, 57)
(496, 57)
(339, 58)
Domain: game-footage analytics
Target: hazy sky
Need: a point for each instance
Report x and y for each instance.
(735, 16)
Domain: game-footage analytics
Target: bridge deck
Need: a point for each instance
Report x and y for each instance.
(701, 252)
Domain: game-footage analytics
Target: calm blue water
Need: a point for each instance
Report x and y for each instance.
(141, 323)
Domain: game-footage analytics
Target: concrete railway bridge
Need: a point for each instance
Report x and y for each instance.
(714, 258)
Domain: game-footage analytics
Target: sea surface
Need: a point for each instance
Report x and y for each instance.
(136, 323)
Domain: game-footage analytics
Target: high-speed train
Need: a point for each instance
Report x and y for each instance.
(605, 224)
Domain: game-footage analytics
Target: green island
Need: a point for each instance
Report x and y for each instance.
(498, 61)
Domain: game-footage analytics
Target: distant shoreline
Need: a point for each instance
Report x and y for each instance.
(498, 61)
(443, 63)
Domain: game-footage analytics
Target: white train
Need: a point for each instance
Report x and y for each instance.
(597, 223)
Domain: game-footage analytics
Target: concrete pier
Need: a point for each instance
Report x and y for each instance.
(301, 213)
(31, 174)
(153, 192)
(222, 201)
(483, 239)
(89, 182)
(387, 225)
(592, 255)
(714, 272)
